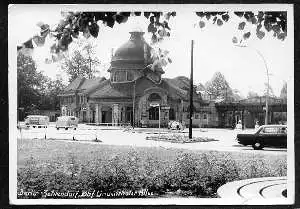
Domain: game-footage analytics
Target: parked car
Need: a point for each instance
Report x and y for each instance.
(37, 121)
(175, 125)
(266, 135)
(66, 122)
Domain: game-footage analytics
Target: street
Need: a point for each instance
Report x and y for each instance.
(114, 135)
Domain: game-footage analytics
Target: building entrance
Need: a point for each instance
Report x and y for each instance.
(106, 116)
(129, 115)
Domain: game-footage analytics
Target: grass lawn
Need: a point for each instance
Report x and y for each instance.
(62, 166)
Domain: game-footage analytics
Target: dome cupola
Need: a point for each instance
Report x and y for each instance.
(134, 51)
(132, 60)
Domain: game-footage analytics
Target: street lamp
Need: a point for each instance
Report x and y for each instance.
(268, 80)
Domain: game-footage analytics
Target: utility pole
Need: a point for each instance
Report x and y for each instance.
(191, 92)
(133, 104)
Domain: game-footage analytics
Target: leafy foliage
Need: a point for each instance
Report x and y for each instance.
(252, 94)
(87, 23)
(283, 92)
(50, 99)
(81, 62)
(35, 90)
(118, 168)
(30, 83)
(219, 88)
(263, 21)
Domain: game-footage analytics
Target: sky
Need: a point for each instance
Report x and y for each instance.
(214, 51)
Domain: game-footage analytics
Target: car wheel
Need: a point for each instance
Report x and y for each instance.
(57, 128)
(66, 128)
(257, 146)
(74, 128)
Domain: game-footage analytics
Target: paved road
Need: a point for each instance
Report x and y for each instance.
(137, 137)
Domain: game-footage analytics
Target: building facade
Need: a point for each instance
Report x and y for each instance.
(133, 93)
(137, 94)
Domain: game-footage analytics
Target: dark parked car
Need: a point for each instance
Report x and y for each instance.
(266, 135)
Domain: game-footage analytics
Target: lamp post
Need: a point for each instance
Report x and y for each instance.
(268, 80)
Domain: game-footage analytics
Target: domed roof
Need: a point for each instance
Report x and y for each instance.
(133, 50)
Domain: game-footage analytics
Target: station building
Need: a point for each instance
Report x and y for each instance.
(135, 92)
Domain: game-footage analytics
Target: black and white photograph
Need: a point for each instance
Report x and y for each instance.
(178, 104)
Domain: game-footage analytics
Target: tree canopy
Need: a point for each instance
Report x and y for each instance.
(35, 90)
(29, 82)
(283, 92)
(87, 23)
(263, 21)
(81, 62)
(252, 94)
(218, 87)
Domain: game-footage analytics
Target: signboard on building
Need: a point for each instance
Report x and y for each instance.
(153, 104)
(165, 107)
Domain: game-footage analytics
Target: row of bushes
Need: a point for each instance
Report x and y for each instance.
(187, 174)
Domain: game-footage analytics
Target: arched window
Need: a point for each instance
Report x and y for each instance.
(154, 97)
(153, 113)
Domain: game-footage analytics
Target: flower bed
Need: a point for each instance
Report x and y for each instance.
(179, 138)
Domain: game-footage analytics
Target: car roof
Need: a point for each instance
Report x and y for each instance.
(66, 117)
(275, 125)
(36, 116)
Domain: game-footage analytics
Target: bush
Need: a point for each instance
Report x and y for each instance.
(176, 172)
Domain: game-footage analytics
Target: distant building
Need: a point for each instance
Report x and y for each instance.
(251, 110)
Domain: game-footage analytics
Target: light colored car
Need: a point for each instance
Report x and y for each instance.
(67, 122)
(40, 121)
(175, 125)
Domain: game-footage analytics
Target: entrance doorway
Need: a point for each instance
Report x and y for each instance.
(84, 116)
(106, 116)
(129, 115)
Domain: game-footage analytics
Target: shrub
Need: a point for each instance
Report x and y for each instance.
(159, 171)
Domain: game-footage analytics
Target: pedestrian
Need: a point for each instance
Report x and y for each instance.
(239, 125)
(256, 125)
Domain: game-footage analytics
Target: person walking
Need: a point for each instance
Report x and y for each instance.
(256, 125)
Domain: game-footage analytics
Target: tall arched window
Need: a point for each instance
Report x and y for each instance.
(154, 97)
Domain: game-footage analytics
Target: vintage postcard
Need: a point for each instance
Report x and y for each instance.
(151, 104)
